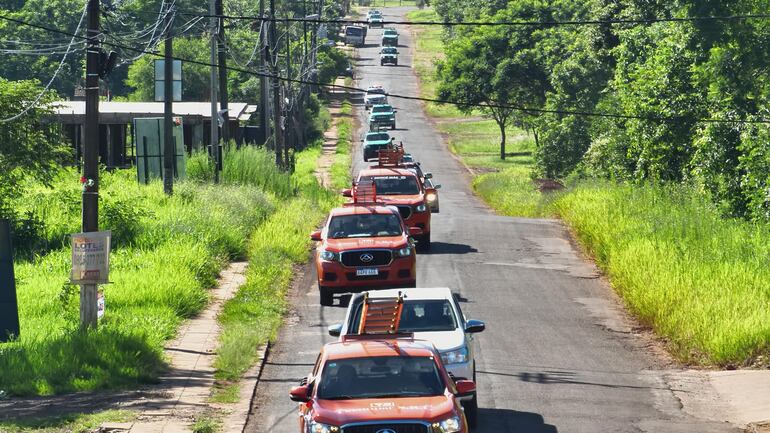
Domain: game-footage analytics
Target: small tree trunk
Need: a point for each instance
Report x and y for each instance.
(537, 141)
(501, 124)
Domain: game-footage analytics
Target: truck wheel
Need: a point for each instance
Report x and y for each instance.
(424, 242)
(382, 63)
(327, 296)
(471, 411)
(393, 126)
(395, 63)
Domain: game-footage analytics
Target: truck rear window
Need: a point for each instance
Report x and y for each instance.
(354, 31)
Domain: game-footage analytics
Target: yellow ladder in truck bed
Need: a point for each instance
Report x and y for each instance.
(381, 315)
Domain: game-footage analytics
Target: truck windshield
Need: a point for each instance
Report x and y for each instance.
(365, 226)
(382, 109)
(380, 136)
(389, 51)
(380, 377)
(433, 315)
(354, 31)
(395, 185)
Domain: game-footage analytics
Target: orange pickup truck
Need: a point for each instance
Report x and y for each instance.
(382, 384)
(363, 245)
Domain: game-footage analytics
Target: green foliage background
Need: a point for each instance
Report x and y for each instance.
(681, 71)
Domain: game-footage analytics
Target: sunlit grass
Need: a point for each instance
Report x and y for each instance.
(71, 423)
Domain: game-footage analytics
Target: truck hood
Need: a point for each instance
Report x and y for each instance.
(341, 412)
(387, 242)
(443, 340)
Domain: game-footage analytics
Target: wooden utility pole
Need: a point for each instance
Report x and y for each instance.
(277, 103)
(169, 148)
(213, 91)
(223, 98)
(9, 307)
(90, 213)
(264, 121)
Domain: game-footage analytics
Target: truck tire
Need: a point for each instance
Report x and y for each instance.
(393, 126)
(424, 242)
(327, 296)
(471, 411)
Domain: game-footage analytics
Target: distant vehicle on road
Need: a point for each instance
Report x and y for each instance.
(431, 314)
(375, 95)
(402, 188)
(380, 384)
(390, 37)
(364, 244)
(389, 56)
(375, 20)
(355, 35)
(373, 142)
(382, 115)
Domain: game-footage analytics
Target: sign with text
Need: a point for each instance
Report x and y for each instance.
(90, 258)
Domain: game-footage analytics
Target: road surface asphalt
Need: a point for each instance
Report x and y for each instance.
(557, 355)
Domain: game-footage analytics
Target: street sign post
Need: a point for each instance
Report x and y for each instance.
(90, 258)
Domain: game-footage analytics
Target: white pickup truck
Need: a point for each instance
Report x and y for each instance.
(355, 35)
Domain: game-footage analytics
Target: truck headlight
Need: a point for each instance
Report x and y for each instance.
(457, 356)
(450, 425)
(421, 207)
(329, 256)
(404, 252)
(319, 427)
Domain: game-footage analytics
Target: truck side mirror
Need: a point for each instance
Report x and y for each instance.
(428, 175)
(465, 388)
(300, 393)
(316, 236)
(474, 326)
(335, 330)
(347, 192)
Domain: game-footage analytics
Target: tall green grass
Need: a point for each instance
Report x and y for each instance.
(699, 280)
(340, 169)
(168, 252)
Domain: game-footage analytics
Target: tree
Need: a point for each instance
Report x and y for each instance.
(27, 147)
(491, 69)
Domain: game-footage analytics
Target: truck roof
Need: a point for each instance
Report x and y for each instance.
(376, 348)
(362, 210)
(423, 293)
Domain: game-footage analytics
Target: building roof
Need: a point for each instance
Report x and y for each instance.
(124, 112)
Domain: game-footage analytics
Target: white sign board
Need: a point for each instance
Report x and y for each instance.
(90, 258)
(100, 305)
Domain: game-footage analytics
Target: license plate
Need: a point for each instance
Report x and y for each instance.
(367, 272)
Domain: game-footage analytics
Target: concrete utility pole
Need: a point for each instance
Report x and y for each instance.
(264, 122)
(88, 292)
(223, 98)
(169, 148)
(277, 110)
(288, 118)
(213, 79)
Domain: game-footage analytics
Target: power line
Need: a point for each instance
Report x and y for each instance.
(520, 108)
(496, 23)
(55, 74)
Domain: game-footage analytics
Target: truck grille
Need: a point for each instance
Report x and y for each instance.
(398, 428)
(405, 211)
(379, 258)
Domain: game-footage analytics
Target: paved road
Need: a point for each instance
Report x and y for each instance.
(557, 355)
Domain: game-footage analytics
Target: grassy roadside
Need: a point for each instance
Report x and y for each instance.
(167, 253)
(340, 170)
(78, 423)
(699, 281)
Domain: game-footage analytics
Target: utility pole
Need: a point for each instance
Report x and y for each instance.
(263, 90)
(288, 118)
(169, 148)
(88, 292)
(277, 111)
(223, 73)
(213, 79)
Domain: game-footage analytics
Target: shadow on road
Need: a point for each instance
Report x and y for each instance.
(562, 377)
(506, 420)
(450, 248)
